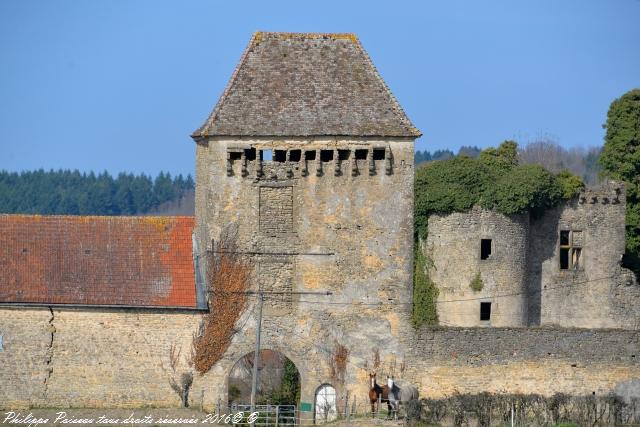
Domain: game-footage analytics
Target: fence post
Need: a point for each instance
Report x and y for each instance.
(277, 414)
(378, 406)
(346, 404)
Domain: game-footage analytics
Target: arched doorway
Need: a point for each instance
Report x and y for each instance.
(278, 380)
(326, 409)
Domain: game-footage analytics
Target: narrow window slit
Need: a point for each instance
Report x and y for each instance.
(485, 248)
(485, 311)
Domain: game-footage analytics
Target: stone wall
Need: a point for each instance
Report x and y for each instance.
(454, 248)
(91, 357)
(594, 291)
(325, 215)
(521, 360)
(121, 358)
(524, 279)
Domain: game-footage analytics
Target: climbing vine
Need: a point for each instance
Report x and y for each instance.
(228, 277)
(425, 292)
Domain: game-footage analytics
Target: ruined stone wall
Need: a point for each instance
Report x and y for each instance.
(592, 291)
(311, 223)
(91, 357)
(524, 278)
(454, 248)
(521, 360)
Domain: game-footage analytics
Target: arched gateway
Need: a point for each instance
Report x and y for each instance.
(308, 157)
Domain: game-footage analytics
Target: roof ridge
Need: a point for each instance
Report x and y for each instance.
(284, 34)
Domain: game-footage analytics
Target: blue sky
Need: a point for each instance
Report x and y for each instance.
(119, 85)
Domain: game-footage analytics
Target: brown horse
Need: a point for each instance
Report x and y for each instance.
(378, 394)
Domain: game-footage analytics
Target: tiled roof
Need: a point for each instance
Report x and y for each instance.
(301, 84)
(93, 260)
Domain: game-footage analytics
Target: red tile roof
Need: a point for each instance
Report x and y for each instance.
(97, 260)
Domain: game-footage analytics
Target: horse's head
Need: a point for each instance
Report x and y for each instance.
(372, 379)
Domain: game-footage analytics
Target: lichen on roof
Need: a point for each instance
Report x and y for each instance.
(306, 84)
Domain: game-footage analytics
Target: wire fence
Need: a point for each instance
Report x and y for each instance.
(482, 410)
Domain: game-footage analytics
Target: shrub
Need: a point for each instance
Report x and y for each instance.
(526, 188)
(476, 283)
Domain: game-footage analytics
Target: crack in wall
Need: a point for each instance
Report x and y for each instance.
(49, 355)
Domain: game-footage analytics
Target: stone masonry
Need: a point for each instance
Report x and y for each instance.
(562, 269)
(308, 158)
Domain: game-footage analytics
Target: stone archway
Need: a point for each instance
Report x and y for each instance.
(279, 379)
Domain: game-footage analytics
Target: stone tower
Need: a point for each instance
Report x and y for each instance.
(309, 157)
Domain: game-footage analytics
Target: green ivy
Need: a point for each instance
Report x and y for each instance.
(494, 181)
(425, 292)
(476, 283)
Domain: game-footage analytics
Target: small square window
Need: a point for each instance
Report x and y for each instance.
(378, 154)
(294, 155)
(361, 154)
(326, 155)
(266, 155)
(485, 248)
(280, 155)
(310, 155)
(485, 311)
(250, 154)
(564, 237)
(235, 155)
(343, 154)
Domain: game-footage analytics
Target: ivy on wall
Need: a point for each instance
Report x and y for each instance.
(425, 292)
(494, 180)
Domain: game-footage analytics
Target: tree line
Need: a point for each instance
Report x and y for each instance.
(66, 192)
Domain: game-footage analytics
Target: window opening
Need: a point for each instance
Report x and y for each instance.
(571, 249)
(250, 154)
(310, 155)
(485, 311)
(485, 248)
(235, 155)
(378, 154)
(266, 155)
(344, 154)
(294, 155)
(361, 154)
(280, 156)
(326, 155)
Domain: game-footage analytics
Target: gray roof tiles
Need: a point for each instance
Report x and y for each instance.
(300, 84)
